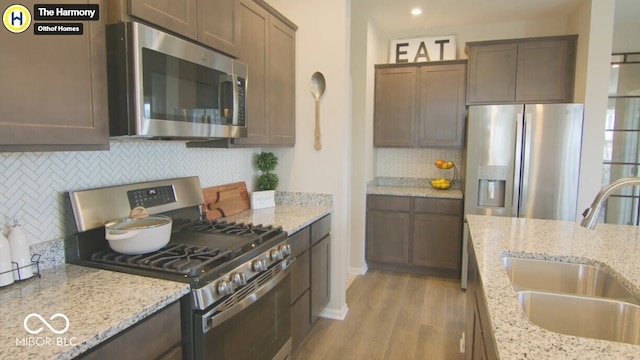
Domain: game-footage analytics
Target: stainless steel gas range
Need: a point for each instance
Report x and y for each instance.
(239, 273)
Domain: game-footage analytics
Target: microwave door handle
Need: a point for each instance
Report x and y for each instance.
(236, 101)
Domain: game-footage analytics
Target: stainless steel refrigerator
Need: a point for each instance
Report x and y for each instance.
(522, 161)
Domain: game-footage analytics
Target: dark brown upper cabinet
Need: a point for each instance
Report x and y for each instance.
(522, 70)
(268, 48)
(420, 105)
(176, 16)
(54, 93)
(215, 23)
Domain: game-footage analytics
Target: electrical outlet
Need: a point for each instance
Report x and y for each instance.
(462, 344)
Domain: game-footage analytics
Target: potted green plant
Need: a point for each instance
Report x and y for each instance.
(267, 182)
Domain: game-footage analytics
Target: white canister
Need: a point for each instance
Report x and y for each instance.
(20, 254)
(6, 275)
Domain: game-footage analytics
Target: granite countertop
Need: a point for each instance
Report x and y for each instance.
(415, 191)
(98, 304)
(614, 247)
(291, 217)
(418, 187)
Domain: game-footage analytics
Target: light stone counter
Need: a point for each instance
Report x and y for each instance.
(417, 187)
(614, 247)
(291, 217)
(293, 211)
(415, 191)
(98, 303)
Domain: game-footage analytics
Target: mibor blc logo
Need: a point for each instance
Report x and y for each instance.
(16, 18)
(39, 329)
(35, 324)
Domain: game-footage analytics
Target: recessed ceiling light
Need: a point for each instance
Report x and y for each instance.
(416, 11)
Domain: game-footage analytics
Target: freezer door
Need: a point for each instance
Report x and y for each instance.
(551, 161)
(490, 159)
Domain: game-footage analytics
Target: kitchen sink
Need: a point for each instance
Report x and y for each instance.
(590, 317)
(566, 278)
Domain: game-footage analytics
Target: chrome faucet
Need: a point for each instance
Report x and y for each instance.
(591, 214)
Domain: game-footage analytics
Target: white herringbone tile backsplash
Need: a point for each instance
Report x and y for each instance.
(414, 163)
(32, 185)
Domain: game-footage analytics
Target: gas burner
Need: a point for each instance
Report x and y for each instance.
(187, 260)
(231, 228)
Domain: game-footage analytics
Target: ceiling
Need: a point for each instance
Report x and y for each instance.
(393, 16)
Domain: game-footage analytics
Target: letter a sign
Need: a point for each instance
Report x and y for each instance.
(434, 48)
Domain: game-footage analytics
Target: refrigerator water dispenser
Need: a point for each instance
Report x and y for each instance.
(491, 186)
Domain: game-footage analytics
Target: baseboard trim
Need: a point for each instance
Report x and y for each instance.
(358, 270)
(335, 314)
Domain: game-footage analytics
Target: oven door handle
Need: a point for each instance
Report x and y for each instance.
(210, 321)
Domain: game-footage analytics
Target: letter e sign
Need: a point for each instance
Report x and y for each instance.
(434, 48)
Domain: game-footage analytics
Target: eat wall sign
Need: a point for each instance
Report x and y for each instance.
(433, 48)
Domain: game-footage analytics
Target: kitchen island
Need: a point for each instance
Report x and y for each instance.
(615, 248)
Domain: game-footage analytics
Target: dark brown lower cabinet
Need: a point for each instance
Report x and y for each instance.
(310, 278)
(157, 337)
(388, 236)
(300, 323)
(436, 233)
(479, 337)
(319, 277)
(415, 234)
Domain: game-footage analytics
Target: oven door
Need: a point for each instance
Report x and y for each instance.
(256, 328)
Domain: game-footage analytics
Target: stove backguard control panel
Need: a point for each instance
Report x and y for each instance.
(152, 196)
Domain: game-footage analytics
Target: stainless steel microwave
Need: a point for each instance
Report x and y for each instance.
(164, 87)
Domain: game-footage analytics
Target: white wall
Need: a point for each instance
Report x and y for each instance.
(358, 173)
(625, 36)
(322, 44)
(594, 22)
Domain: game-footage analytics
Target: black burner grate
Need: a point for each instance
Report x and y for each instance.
(181, 259)
(231, 228)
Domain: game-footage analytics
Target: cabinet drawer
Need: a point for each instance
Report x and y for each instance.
(300, 276)
(320, 229)
(386, 202)
(438, 206)
(299, 241)
(300, 321)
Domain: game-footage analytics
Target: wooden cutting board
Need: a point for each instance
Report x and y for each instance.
(226, 200)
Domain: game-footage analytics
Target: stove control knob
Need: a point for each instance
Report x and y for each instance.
(238, 278)
(285, 249)
(259, 265)
(224, 287)
(276, 254)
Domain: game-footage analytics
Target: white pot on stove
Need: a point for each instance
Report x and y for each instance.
(138, 235)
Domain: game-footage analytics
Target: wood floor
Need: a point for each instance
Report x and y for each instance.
(392, 316)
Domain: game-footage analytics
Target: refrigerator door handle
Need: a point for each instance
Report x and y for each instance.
(518, 162)
(526, 161)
